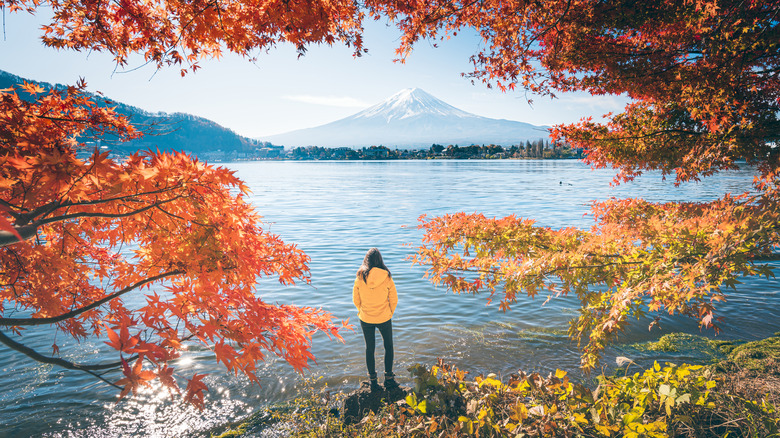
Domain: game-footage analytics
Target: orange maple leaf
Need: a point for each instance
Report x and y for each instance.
(195, 391)
(134, 377)
(122, 342)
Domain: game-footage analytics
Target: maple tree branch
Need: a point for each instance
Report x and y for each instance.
(28, 231)
(453, 241)
(184, 27)
(106, 125)
(29, 352)
(44, 210)
(120, 198)
(104, 215)
(61, 119)
(24, 218)
(545, 273)
(76, 312)
(184, 220)
(439, 14)
(603, 265)
(77, 180)
(549, 28)
(684, 132)
(9, 238)
(9, 207)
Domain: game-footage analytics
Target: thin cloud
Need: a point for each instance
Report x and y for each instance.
(338, 101)
(610, 103)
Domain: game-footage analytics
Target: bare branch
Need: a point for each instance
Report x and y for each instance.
(76, 312)
(29, 352)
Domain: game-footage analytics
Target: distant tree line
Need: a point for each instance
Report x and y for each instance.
(541, 148)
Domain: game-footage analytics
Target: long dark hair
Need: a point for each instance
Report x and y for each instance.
(373, 259)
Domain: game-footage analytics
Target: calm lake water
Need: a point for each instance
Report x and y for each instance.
(335, 211)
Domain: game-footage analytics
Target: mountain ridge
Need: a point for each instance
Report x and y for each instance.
(165, 131)
(412, 118)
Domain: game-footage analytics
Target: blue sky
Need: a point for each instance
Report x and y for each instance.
(281, 92)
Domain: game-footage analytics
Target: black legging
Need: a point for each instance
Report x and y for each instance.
(386, 329)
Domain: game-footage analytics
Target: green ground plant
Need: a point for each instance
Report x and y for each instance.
(666, 400)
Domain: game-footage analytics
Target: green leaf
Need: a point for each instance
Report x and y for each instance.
(633, 416)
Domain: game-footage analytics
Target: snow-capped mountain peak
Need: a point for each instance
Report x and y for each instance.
(410, 102)
(412, 118)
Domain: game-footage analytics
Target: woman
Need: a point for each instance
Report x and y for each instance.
(375, 297)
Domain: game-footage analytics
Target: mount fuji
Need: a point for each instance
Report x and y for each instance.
(412, 118)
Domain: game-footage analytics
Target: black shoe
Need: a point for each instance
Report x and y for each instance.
(374, 383)
(390, 382)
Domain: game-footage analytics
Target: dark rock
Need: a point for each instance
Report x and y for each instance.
(362, 401)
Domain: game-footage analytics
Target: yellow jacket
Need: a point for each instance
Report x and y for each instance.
(375, 298)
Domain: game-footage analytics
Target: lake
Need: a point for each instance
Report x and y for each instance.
(335, 211)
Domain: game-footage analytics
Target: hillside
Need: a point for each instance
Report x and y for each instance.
(165, 131)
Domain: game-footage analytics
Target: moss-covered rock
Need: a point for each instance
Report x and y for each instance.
(259, 420)
(761, 356)
(758, 356)
(690, 345)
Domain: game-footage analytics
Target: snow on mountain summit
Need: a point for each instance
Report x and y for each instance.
(407, 103)
(412, 118)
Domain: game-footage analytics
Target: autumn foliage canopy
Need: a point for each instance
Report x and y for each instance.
(704, 93)
(701, 77)
(99, 229)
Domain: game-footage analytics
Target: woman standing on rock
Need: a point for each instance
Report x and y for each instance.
(375, 297)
